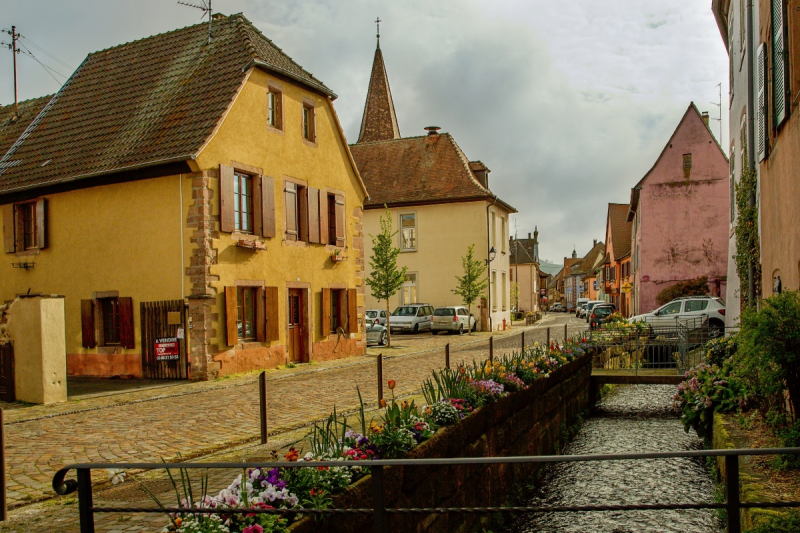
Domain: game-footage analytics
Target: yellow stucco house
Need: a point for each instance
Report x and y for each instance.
(197, 205)
(440, 203)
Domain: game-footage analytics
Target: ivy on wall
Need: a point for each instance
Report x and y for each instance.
(747, 245)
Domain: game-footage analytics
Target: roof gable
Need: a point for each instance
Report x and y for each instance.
(143, 104)
(619, 230)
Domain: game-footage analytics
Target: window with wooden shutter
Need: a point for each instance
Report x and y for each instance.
(340, 240)
(290, 199)
(271, 297)
(87, 324)
(326, 310)
(761, 103)
(231, 315)
(226, 198)
(312, 197)
(9, 234)
(127, 338)
(324, 233)
(352, 311)
(267, 206)
(779, 68)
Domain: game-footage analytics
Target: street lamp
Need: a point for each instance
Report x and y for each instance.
(492, 254)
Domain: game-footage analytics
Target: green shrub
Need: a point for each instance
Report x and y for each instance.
(719, 349)
(788, 523)
(692, 287)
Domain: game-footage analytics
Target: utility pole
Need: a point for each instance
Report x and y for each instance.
(14, 50)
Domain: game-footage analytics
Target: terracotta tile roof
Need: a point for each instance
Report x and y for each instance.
(10, 129)
(620, 229)
(589, 260)
(144, 103)
(379, 122)
(418, 170)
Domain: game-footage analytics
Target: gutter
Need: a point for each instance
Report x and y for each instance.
(751, 144)
(267, 66)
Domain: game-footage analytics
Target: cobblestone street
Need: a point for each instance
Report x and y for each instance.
(198, 419)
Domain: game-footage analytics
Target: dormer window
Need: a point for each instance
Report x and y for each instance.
(274, 109)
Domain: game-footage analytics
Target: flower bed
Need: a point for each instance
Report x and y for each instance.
(472, 400)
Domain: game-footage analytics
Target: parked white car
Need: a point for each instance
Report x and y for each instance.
(412, 317)
(692, 311)
(376, 314)
(453, 319)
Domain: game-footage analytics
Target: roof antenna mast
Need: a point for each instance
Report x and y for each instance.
(14, 50)
(719, 105)
(205, 7)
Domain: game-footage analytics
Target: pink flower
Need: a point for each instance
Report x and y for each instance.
(253, 529)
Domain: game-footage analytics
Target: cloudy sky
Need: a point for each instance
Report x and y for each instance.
(569, 103)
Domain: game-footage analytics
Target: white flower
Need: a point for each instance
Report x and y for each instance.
(116, 475)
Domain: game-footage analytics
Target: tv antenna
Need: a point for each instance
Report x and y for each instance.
(205, 7)
(719, 105)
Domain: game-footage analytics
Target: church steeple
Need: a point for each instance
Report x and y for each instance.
(379, 122)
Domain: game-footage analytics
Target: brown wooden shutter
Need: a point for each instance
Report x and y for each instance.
(339, 220)
(302, 213)
(290, 199)
(352, 311)
(267, 206)
(226, 199)
(273, 332)
(87, 324)
(313, 215)
(323, 217)
(231, 316)
(258, 206)
(41, 223)
(326, 313)
(9, 236)
(261, 315)
(126, 329)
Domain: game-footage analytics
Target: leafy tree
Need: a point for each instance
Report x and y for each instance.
(386, 278)
(691, 287)
(515, 295)
(746, 232)
(472, 284)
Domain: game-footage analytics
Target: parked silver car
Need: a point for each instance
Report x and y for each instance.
(453, 319)
(590, 306)
(377, 333)
(412, 317)
(376, 314)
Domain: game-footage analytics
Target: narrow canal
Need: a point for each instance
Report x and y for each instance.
(632, 419)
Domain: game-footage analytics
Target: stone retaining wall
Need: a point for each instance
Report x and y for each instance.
(529, 422)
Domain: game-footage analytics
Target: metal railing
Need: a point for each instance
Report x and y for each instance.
(379, 510)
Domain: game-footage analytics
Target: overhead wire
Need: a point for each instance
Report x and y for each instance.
(45, 52)
(49, 70)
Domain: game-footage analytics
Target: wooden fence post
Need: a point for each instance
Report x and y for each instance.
(522, 350)
(565, 334)
(447, 356)
(548, 338)
(3, 501)
(262, 390)
(491, 349)
(380, 377)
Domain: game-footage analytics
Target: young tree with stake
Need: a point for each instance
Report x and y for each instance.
(386, 278)
(472, 284)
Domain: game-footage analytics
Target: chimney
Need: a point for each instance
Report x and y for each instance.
(595, 243)
(529, 235)
(433, 130)
(705, 118)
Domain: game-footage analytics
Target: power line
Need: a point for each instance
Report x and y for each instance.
(49, 70)
(45, 52)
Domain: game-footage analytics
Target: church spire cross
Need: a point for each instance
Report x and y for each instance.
(378, 24)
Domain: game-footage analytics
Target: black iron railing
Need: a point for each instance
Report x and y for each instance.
(732, 504)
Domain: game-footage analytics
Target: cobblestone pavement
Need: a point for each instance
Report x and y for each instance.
(199, 419)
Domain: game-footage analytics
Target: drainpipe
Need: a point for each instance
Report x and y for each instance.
(751, 152)
(488, 264)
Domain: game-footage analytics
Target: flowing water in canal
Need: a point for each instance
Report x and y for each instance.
(632, 419)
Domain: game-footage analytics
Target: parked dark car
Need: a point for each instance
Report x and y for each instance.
(600, 314)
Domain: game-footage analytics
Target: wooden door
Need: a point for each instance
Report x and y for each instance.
(163, 340)
(297, 352)
(7, 391)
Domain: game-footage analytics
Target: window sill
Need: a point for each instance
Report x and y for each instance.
(109, 350)
(28, 253)
(310, 144)
(408, 250)
(249, 345)
(300, 244)
(274, 129)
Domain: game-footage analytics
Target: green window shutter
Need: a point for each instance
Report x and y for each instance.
(761, 103)
(778, 61)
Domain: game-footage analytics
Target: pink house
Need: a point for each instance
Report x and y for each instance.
(680, 211)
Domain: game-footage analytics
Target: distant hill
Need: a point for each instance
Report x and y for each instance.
(549, 267)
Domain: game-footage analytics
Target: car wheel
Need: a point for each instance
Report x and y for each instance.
(716, 330)
(474, 327)
(461, 329)
(434, 332)
(416, 328)
(384, 339)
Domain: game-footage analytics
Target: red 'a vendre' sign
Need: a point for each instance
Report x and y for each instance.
(167, 349)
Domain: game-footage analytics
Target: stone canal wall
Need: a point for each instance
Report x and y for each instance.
(528, 422)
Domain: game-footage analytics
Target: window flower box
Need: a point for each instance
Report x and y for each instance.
(338, 257)
(251, 245)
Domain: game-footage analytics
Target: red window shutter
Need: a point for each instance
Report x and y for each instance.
(261, 315)
(302, 213)
(339, 220)
(313, 215)
(267, 206)
(352, 311)
(323, 217)
(87, 324)
(41, 223)
(325, 319)
(290, 199)
(226, 199)
(231, 316)
(126, 329)
(9, 236)
(273, 332)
